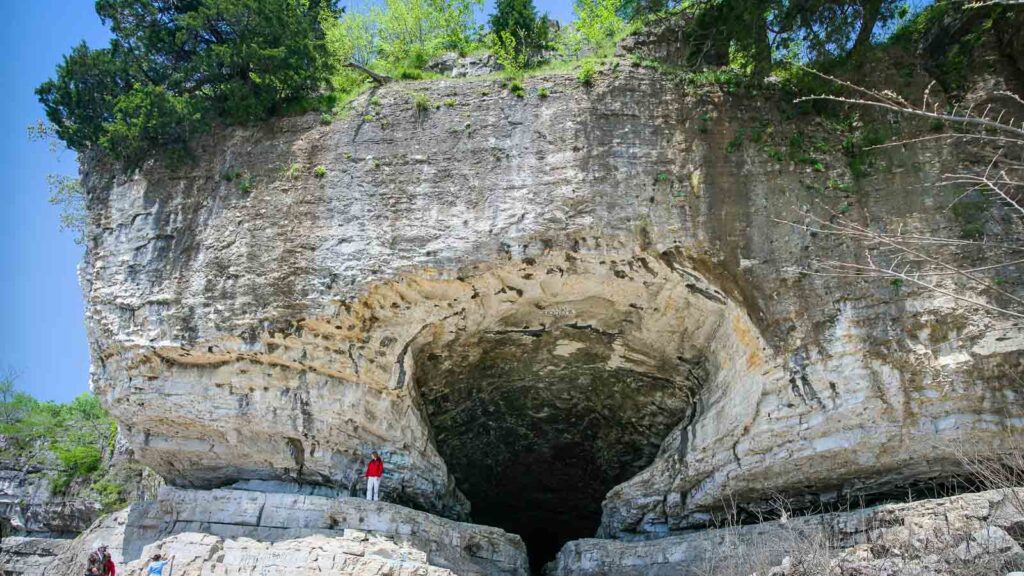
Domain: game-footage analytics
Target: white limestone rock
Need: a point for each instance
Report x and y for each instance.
(272, 333)
(242, 532)
(961, 535)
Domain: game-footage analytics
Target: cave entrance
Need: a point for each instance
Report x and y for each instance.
(537, 424)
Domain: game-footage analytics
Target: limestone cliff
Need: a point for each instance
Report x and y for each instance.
(566, 315)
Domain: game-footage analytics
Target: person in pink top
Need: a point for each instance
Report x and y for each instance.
(374, 470)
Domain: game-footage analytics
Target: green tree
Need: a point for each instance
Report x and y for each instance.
(65, 191)
(456, 23)
(599, 22)
(734, 29)
(753, 32)
(530, 34)
(503, 46)
(352, 37)
(13, 404)
(631, 10)
(75, 434)
(413, 31)
(81, 99)
(189, 62)
(829, 28)
(407, 37)
(569, 42)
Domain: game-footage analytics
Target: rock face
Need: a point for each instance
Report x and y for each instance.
(28, 505)
(451, 64)
(541, 304)
(241, 532)
(966, 534)
(21, 556)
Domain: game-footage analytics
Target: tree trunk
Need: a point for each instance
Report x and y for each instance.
(380, 79)
(762, 46)
(872, 9)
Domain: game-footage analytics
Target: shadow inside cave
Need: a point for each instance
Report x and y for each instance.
(537, 426)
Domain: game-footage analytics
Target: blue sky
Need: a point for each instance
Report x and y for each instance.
(42, 331)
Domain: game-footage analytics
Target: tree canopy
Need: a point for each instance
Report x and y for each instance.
(517, 27)
(757, 33)
(175, 65)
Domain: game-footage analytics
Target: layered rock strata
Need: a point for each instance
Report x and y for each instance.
(29, 506)
(967, 534)
(246, 532)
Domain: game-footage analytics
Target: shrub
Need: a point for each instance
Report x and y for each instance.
(735, 143)
(320, 171)
(516, 88)
(326, 118)
(76, 433)
(704, 125)
(420, 102)
(449, 102)
(542, 92)
(76, 460)
(505, 48)
(411, 32)
(586, 74)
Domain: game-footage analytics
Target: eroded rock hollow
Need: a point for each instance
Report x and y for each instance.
(564, 381)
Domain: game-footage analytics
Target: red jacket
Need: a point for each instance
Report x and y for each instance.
(375, 469)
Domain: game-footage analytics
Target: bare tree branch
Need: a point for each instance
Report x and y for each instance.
(380, 79)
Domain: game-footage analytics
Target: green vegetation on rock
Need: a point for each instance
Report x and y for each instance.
(74, 436)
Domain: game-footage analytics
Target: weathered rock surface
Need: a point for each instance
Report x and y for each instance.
(545, 305)
(283, 332)
(246, 532)
(961, 535)
(28, 505)
(21, 556)
(455, 66)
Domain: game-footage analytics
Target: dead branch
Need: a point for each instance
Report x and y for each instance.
(379, 79)
(895, 103)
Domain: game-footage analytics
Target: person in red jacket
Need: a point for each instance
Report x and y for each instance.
(374, 470)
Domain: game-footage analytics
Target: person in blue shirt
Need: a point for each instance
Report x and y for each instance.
(158, 566)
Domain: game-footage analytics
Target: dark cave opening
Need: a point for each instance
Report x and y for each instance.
(537, 426)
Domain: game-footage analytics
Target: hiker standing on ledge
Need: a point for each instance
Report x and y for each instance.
(374, 470)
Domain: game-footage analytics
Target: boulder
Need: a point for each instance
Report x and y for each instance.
(455, 66)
